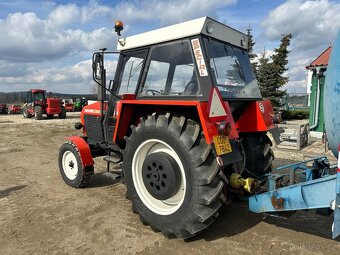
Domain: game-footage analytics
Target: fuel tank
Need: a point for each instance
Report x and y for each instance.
(332, 97)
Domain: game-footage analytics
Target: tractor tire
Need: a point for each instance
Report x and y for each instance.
(71, 167)
(62, 114)
(171, 175)
(25, 114)
(257, 154)
(38, 113)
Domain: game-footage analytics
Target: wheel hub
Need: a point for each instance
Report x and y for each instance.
(71, 164)
(161, 175)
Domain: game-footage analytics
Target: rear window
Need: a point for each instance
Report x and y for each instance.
(231, 70)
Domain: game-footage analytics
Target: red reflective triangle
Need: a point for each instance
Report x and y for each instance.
(216, 108)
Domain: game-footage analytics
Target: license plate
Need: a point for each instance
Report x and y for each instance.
(222, 144)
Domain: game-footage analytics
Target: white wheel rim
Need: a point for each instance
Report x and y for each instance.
(162, 207)
(70, 165)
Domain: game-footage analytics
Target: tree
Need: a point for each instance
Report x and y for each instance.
(251, 54)
(265, 76)
(280, 60)
(270, 74)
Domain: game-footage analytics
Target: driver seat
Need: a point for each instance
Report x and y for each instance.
(192, 87)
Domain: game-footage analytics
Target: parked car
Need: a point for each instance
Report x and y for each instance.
(3, 109)
(15, 108)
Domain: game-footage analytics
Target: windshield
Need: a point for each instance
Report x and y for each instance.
(39, 96)
(232, 71)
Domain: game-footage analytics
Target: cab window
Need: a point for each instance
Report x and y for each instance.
(132, 67)
(171, 71)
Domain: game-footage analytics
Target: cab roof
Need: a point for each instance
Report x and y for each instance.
(204, 25)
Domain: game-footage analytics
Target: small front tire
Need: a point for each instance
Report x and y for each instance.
(71, 167)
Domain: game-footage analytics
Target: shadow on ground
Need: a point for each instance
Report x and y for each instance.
(7, 192)
(104, 179)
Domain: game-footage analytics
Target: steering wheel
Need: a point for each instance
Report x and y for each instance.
(153, 92)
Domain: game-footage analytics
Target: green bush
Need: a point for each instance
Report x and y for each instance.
(295, 115)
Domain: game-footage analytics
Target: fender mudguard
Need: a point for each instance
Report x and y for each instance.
(84, 150)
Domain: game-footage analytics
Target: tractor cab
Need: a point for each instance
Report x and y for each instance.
(183, 62)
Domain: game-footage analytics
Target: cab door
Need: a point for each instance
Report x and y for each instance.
(30, 102)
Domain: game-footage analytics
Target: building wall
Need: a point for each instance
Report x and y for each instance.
(312, 109)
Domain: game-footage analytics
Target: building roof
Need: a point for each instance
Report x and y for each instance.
(321, 60)
(204, 25)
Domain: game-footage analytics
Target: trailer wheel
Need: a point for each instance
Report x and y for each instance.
(71, 167)
(171, 175)
(37, 112)
(258, 155)
(62, 114)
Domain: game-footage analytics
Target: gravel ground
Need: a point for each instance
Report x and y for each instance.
(39, 214)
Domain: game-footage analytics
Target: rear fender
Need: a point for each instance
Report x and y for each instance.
(257, 117)
(83, 149)
(127, 109)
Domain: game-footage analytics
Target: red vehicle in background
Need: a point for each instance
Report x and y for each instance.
(37, 104)
(69, 105)
(14, 108)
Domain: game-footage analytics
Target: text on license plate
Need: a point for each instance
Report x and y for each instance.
(222, 144)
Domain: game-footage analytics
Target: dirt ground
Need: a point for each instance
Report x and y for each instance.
(40, 214)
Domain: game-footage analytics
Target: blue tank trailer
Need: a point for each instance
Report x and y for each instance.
(317, 187)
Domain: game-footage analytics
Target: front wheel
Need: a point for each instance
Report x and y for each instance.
(171, 175)
(25, 114)
(71, 167)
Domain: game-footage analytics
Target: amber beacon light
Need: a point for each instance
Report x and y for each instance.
(119, 26)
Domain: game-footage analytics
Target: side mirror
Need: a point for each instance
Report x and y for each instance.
(97, 66)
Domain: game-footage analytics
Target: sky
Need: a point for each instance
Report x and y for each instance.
(48, 44)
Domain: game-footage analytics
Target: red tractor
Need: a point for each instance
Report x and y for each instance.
(185, 116)
(36, 105)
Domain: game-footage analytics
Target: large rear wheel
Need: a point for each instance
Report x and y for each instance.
(38, 112)
(171, 175)
(257, 155)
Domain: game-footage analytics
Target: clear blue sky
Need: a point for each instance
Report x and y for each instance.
(48, 44)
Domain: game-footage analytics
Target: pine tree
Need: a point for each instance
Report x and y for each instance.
(251, 53)
(280, 60)
(265, 76)
(270, 74)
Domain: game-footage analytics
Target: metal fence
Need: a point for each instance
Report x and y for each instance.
(295, 102)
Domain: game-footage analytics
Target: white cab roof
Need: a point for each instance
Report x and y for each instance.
(189, 28)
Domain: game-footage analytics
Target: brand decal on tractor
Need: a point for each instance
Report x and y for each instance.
(199, 57)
